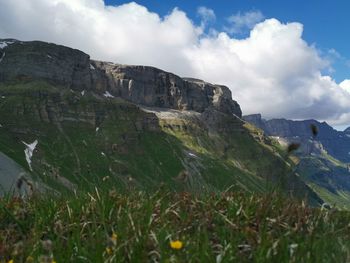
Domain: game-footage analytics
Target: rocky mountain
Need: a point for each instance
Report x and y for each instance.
(336, 143)
(324, 156)
(143, 85)
(73, 123)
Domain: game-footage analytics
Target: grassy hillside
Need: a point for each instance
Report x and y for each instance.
(87, 140)
(170, 227)
(328, 177)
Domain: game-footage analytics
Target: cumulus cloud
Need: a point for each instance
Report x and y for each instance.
(345, 84)
(240, 22)
(272, 71)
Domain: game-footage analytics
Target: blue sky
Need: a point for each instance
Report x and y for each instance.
(326, 23)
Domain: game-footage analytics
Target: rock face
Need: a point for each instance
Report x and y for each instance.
(336, 143)
(142, 85)
(39, 60)
(153, 87)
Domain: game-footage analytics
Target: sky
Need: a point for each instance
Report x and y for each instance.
(285, 59)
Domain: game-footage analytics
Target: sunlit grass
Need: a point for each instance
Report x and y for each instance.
(171, 227)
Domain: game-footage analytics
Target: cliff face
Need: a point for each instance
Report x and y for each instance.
(142, 85)
(38, 60)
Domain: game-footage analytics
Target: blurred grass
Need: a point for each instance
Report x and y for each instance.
(138, 227)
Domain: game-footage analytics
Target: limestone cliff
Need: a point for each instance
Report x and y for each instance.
(142, 85)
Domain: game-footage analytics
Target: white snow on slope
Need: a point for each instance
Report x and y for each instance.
(192, 155)
(4, 44)
(108, 95)
(29, 152)
(2, 57)
(92, 67)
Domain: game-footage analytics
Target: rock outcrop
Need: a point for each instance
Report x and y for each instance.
(152, 87)
(142, 85)
(39, 60)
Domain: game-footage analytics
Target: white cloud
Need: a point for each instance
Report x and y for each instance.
(273, 71)
(240, 22)
(345, 84)
(206, 14)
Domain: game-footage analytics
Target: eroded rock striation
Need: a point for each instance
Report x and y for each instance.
(73, 69)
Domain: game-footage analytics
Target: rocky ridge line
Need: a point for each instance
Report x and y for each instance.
(73, 69)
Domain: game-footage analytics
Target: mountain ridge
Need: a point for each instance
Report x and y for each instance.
(143, 85)
(335, 142)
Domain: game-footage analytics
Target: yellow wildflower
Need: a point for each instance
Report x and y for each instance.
(108, 251)
(10, 261)
(176, 244)
(29, 259)
(114, 237)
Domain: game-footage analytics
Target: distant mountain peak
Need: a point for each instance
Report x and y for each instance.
(347, 130)
(334, 142)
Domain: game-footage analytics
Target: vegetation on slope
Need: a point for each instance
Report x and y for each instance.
(139, 227)
(328, 177)
(87, 140)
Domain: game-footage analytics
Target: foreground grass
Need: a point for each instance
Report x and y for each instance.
(113, 227)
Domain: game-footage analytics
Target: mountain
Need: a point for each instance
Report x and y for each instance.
(323, 157)
(336, 143)
(74, 123)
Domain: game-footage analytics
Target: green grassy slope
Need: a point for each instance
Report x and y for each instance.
(87, 141)
(328, 177)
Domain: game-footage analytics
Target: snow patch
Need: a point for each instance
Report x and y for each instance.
(192, 155)
(82, 93)
(92, 67)
(103, 154)
(28, 151)
(2, 57)
(108, 95)
(97, 128)
(4, 44)
(49, 56)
